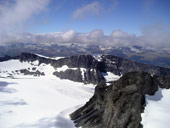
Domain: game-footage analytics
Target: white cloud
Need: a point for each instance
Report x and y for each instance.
(93, 8)
(96, 34)
(69, 35)
(119, 34)
(96, 37)
(156, 36)
(13, 14)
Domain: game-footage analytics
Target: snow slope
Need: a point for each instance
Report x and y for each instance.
(30, 102)
(38, 102)
(157, 110)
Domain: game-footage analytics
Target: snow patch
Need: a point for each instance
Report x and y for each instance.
(35, 63)
(64, 68)
(98, 57)
(57, 58)
(157, 110)
(83, 70)
(12, 68)
(110, 76)
(54, 58)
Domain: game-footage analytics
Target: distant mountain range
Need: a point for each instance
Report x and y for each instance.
(159, 57)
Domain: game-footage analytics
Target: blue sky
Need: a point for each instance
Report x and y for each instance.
(46, 16)
(126, 15)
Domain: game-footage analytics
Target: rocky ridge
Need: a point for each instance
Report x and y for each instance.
(119, 105)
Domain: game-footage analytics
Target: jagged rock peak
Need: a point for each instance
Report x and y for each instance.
(118, 106)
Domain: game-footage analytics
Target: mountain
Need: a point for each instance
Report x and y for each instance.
(46, 90)
(31, 96)
(84, 68)
(147, 55)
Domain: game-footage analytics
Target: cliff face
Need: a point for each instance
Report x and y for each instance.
(119, 105)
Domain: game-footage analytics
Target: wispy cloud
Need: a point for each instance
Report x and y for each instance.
(93, 8)
(14, 14)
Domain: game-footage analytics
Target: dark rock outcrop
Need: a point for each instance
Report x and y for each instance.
(36, 73)
(164, 81)
(87, 76)
(119, 105)
(74, 75)
(6, 58)
(93, 76)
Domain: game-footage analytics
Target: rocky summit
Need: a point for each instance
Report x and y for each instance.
(119, 105)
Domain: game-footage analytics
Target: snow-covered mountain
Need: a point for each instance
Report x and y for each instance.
(40, 92)
(32, 99)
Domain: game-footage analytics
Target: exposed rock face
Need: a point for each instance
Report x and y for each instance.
(74, 75)
(36, 73)
(164, 81)
(89, 76)
(118, 106)
(6, 58)
(93, 76)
